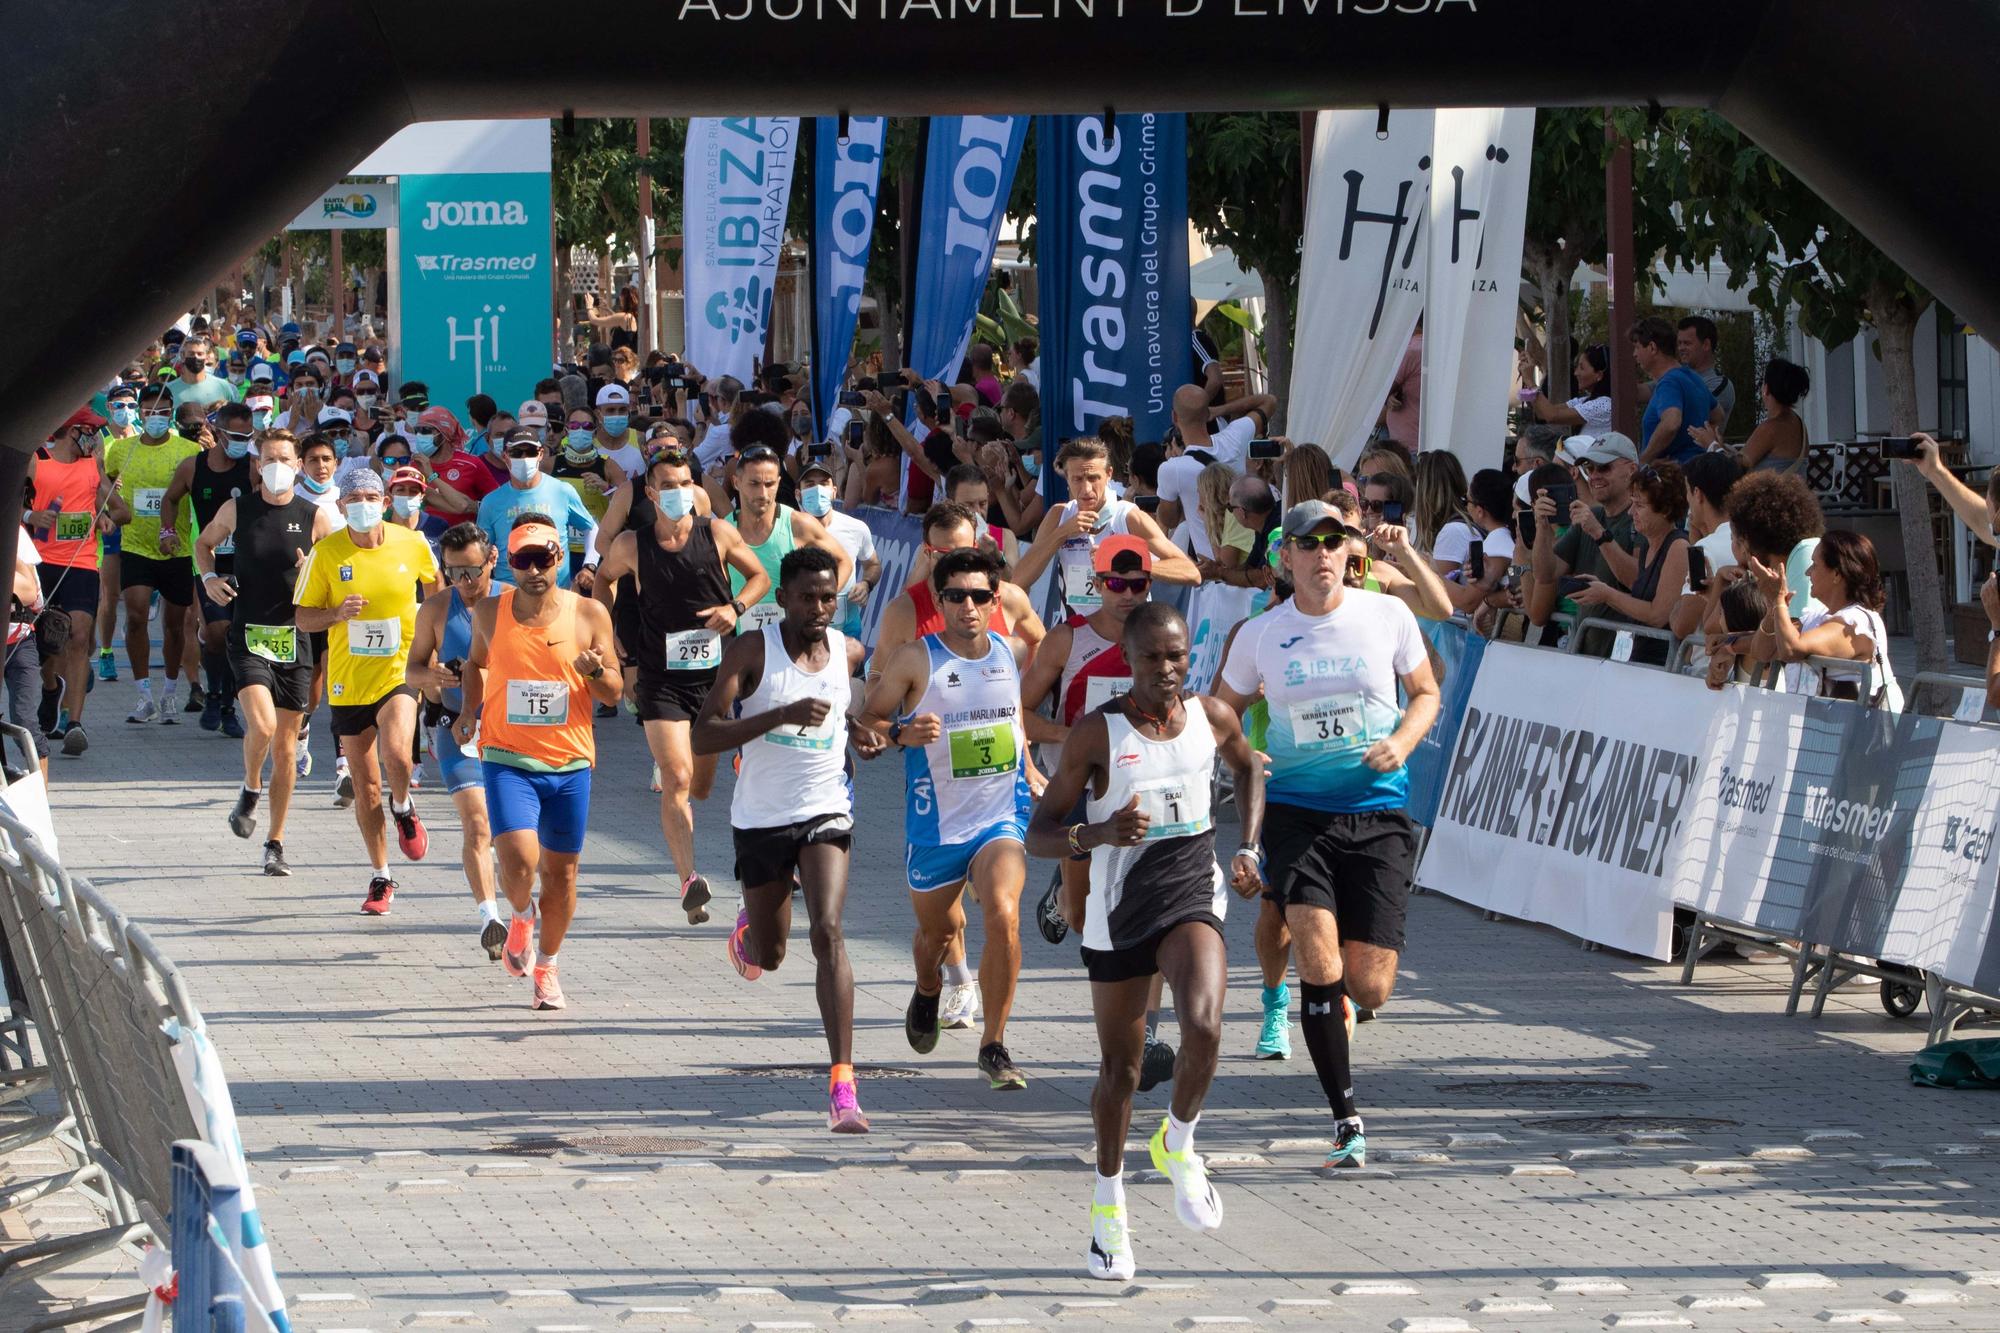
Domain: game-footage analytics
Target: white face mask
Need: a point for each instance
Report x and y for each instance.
(816, 500)
(524, 470)
(278, 477)
(405, 505)
(364, 515)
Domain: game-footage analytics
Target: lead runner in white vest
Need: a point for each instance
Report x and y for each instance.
(1143, 765)
(952, 701)
(1070, 532)
(781, 697)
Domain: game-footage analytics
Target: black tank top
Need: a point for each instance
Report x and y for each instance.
(674, 587)
(210, 489)
(269, 539)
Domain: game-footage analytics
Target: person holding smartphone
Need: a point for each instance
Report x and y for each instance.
(1599, 540)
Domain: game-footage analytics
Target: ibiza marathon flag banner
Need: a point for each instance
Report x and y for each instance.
(1112, 263)
(847, 174)
(737, 185)
(968, 173)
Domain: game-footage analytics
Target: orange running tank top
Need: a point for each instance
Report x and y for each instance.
(536, 705)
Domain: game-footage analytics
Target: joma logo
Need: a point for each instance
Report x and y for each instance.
(474, 213)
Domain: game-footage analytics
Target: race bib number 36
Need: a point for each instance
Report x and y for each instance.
(374, 638)
(1328, 724)
(694, 650)
(978, 752)
(537, 703)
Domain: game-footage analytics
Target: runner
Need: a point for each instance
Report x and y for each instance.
(816, 498)
(540, 653)
(1070, 531)
(67, 512)
(530, 491)
(1339, 849)
(121, 404)
(317, 463)
(781, 696)
(364, 579)
(952, 701)
(1142, 765)
(438, 649)
(681, 607)
(773, 530)
(143, 467)
(273, 526)
(209, 480)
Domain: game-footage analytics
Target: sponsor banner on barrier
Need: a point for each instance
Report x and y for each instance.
(736, 188)
(1456, 653)
(846, 176)
(1213, 609)
(897, 537)
(1563, 792)
(1945, 913)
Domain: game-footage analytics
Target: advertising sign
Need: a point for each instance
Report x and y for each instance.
(350, 206)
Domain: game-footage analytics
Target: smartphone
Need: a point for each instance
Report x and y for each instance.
(853, 398)
(927, 404)
(855, 431)
(1697, 569)
(819, 451)
(658, 374)
(1904, 448)
(1564, 495)
(1475, 560)
(702, 398)
(890, 379)
(1266, 449)
(1148, 504)
(1571, 586)
(1392, 511)
(1524, 521)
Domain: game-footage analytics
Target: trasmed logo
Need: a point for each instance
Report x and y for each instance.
(474, 213)
(1742, 791)
(451, 264)
(1853, 817)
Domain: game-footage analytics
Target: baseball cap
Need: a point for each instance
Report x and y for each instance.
(295, 357)
(1122, 554)
(819, 465)
(263, 373)
(533, 413)
(613, 393)
(260, 402)
(1306, 515)
(522, 436)
(83, 416)
(368, 376)
(355, 480)
(416, 398)
(1606, 448)
(345, 348)
(407, 476)
(329, 416)
(289, 329)
(246, 337)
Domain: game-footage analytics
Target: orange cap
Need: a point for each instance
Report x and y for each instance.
(1124, 544)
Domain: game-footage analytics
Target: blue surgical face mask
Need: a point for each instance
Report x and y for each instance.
(816, 500)
(236, 446)
(311, 487)
(340, 446)
(345, 365)
(423, 442)
(157, 426)
(677, 502)
(405, 505)
(261, 419)
(524, 470)
(363, 515)
(235, 377)
(1032, 464)
(123, 415)
(615, 425)
(579, 441)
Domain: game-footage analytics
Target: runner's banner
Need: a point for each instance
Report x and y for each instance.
(847, 174)
(1455, 653)
(1361, 275)
(736, 188)
(1111, 272)
(1478, 217)
(1562, 795)
(969, 167)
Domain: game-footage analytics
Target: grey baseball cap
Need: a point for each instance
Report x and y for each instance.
(1306, 515)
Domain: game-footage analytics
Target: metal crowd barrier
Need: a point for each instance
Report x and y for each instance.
(211, 1294)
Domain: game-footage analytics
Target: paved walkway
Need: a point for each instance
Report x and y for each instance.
(1565, 1138)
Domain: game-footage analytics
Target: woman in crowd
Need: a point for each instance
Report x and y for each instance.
(1305, 472)
(1438, 523)
(1710, 477)
(1220, 543)
(1489, 500)
(874, 471)
(1589, 413)
(1779, 442)
(1846, 623)
(1385, 456)
(1659, 506)
(1773, 518)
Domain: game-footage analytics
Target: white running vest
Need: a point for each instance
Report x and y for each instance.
(791, 774)
(971, 777)
(1137, 892)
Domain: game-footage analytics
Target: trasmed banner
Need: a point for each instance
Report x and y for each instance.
(969, 167)
(1479, 214)
(1561, 798)
(737, 186)
(847, 174)
(1112, 271)
(1361, 276)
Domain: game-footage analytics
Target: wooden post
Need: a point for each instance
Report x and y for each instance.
(1621, 275)
(336, 289)
(648, 288)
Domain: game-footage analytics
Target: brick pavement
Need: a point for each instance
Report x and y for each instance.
(398, 1100)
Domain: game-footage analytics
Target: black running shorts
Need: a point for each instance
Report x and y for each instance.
(1143, 958)
(671, 696)
(1358, 866)
(290, 683)
(769, 855)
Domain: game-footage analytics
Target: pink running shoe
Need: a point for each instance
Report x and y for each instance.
(746, 969)
(518, 956)
(843, 1114)
(548, 989)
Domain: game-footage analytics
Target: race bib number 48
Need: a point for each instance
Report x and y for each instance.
(146, 501)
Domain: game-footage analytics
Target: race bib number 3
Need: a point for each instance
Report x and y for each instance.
(978, 752)
(537, 703)
(1174, 812)
(1328, 724)
(374, 638)
(694, 650)
(74, 527)
(273, 643)
(147, 499)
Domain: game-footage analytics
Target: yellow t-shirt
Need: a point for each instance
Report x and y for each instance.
(366, 655)
(143, 471)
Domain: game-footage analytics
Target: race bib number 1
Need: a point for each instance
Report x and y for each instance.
(1328, 724)
(978, 752)
(694, 650)
(1171, 809)
(374, 638)
(537, 703)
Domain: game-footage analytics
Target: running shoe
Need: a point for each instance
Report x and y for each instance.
(197, 700)
(49, 713)
(1156, 1065)
(1048, 914)
(1110, 1257)
(960, 1007)
(695, 898)
(410, 834)
(145, 710)
(343, 785)
(656, 779)
(381, 892)
(843, 1114)
(1195, 1199)
(74, 740)
(232, 725)
(1362, 1015)
(417, 778)
(920, 1022)
(168, 716)
(303, 765)
(107, 665)
(518, 954)
(1274, 1041)
(211, 711)
(746, 969)
(607, 710)
(243, 819)
(548, 989)
(275, 864)
(493, 938)
(1350, 1148)
(998, 1066)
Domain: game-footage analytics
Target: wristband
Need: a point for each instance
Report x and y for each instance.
(896, 733)
(736, 605)
(1602, 537)
(1076, 847)
(1249, 850)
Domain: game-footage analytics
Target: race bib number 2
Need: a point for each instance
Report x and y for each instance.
(979, 752)
(1328, 724)
(1080, 588)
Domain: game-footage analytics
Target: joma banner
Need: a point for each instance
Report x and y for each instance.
(737, 185)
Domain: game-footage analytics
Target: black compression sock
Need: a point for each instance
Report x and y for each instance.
(215, 667)
(1325, 1024)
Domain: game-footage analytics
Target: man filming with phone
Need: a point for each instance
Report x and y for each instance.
(1597, 544)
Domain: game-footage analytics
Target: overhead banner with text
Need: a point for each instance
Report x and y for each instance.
(969, 167)
(847, 174)
(1361, 276)
(737, 186)
(1478, 217)
(1112, 271)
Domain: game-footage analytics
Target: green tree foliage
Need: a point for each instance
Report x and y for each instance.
(1243, 192)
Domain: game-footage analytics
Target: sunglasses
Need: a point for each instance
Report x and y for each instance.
(1319, 541)
(1372, 506)
(534, 557)
(1125, 582)
(462, 573)
(762, 453)
(672, 453)
(960, 596)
